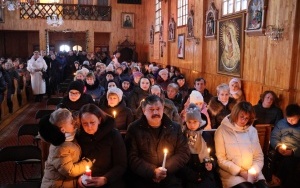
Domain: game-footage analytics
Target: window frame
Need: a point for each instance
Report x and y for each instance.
(234, 2)
(158, 16)
(183, 8)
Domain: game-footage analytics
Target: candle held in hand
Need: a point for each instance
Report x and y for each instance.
(283, 146)
(88, 171)
(114, 113)
(87, 175)
(208, 150)
(251, 175)
(165, 158)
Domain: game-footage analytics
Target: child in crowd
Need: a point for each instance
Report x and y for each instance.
(285, 139)
(200, 171)
(63, 165)
(236, 92)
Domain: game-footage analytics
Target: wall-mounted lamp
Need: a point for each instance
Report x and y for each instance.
(274, 32)
(195, 40)
(163, 43)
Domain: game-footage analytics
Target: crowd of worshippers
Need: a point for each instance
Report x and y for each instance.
(124, 116)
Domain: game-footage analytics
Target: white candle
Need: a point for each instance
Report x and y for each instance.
(86, 175)
(251, 175)
(283, 146)
(114, 113)
(165, 158)
(208, 150)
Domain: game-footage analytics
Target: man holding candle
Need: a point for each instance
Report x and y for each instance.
(146, 140)
(285, 139)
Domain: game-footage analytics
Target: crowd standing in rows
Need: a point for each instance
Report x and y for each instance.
(154, 109)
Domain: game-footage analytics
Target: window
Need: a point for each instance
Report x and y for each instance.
(77, 48)
(182, 12)
(157, 15)
(64, 48)
(232, 6)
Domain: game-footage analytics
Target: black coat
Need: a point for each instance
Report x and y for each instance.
(217, 111)
(145, 152)
(75, 106)
(124, 115)
(267, 115)
(136, 97)
(108, 148)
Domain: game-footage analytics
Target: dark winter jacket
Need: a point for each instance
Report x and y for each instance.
(75, 106)
(123, 117)
(95, 90)
(145, 152)
(135, 99)
(217, 111)
(267, 115)
(107, 147)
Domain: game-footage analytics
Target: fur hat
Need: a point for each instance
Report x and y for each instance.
(116, 91)
(76, 85)
(163, 71)
(137, 73)
(194, 113)
(50, 133)
(237, 80)
(196, 96)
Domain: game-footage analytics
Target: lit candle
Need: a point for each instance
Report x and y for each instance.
(251, 175)
(165, 158)
(87, 175)
(114, 113)
(208, 150)
(283, 146)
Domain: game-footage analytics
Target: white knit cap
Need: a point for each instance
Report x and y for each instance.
(196, 97)
(116, 91)
(237, 80)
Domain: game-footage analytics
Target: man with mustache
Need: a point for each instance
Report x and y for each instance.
(146, 140)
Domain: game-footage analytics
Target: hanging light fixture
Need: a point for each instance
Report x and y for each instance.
(55, 21)
(12, 5)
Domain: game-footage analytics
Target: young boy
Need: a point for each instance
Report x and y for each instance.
(199, 171)
(63, 165)
(285, 139)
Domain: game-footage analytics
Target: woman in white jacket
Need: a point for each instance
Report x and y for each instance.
(36, 65)
(238, 149)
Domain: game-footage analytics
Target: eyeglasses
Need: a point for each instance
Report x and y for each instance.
(74, 93)
(244, 118)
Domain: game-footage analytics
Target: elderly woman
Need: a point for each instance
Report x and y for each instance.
(238, 150)
(220, 106)
(267, 110)
(174, 95)
(36, 65)
(99, 140)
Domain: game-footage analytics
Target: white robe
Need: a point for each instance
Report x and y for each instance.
(38, 84)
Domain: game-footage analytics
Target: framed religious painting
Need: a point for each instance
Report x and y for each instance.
(1, 15)
(211, 22)
(256, 17)
(181, 46)
(151, 40)
(230, 45)
(190, 25)
(127, 20)
(171, 30)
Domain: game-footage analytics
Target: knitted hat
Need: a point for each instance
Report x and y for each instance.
(193, 113)
(116, 91)
(86, 63)
(163, 71)
(50, 133)
(110, 67)
(137, 73)
(237, 80)
(76, 85)
(196, 97)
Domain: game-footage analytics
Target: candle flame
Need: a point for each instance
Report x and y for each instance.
(114, 113)
(87, 168)
(165, 151)
(208, 150)
(283, 146)
(252, 171)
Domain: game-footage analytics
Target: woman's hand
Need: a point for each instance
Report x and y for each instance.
(94, 182)
(159, 174)
(244, 174)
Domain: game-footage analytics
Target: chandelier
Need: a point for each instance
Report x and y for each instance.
(12, 5)
(55, 21)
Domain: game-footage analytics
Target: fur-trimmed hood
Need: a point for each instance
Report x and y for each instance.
(50, 133)
(215, 106)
